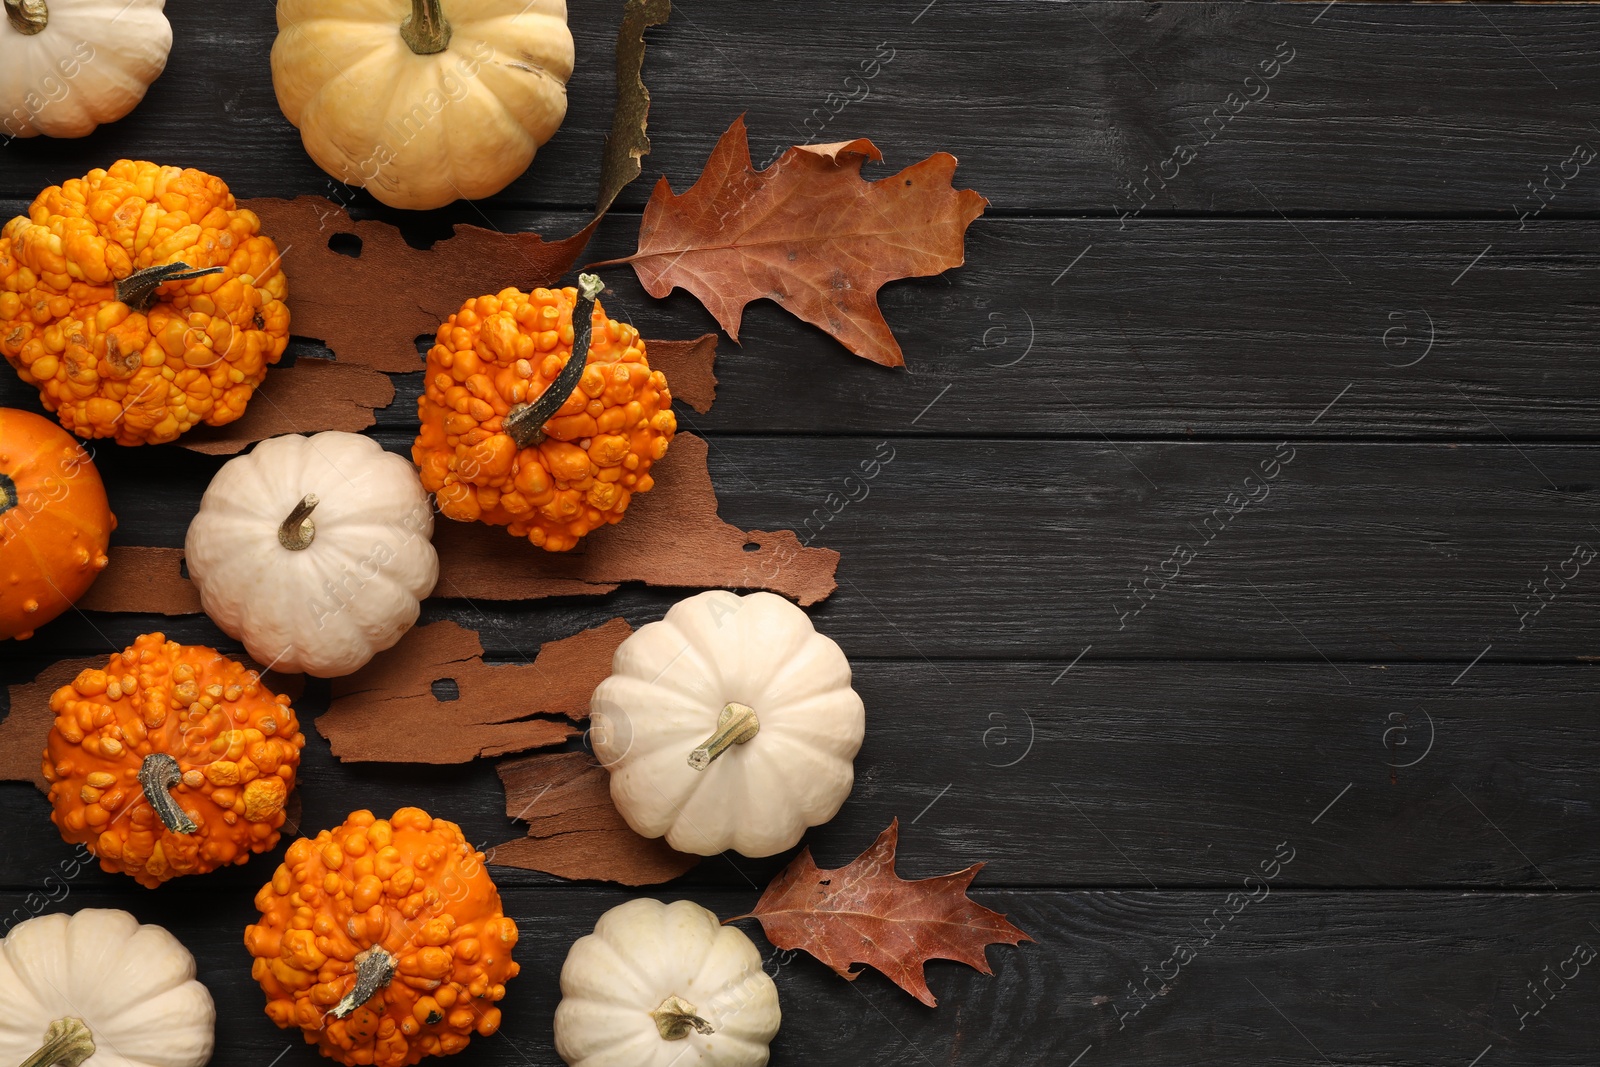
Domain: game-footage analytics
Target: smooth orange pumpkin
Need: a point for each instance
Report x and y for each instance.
(533, 426)
(54, 522)
(383, 940)
(173, 759)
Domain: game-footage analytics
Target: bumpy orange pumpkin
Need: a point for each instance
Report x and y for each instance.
(54, 522)
(141, 300)
(171, 760)
(383, 940)
(528, 425)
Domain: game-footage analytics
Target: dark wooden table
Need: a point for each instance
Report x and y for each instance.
(1346, 279)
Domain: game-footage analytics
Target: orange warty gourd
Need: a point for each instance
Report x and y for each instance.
(383, 940)
(173, 759)
(54, 522)
(141, 300)
(533, 426)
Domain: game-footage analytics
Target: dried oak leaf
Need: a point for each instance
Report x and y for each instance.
(390, 712)
(574, 831)
(808, 232)
(865, 913)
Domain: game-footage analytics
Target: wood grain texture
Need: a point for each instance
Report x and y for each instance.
(1401, 108)
(1353, 667)
(1019, 548)
(1407, 979)
(1120, 775)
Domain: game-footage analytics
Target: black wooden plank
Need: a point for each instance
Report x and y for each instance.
(1180, 328)
(1384, 108)
(1110, 774)
(1296, 979)
(1018, 548)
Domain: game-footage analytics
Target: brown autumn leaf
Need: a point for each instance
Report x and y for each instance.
(865, 913)
(808, 232)
(574, 831)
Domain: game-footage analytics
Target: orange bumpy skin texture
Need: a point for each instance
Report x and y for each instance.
(107, 370)
(237, 748)
(506, 349)
(413, 887)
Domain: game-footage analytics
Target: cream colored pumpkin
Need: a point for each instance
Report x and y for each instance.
(664, 985)
(314, 551)
(423, 102)
(68, 65)
(728, 724)
(98, 989)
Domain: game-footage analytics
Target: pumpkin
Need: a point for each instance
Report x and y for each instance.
(728, 724)
(171, 760)
(54, 522)
(383, 940)
(540, 414)
(141, 301)
(68, 65)
(658, 984)
(96, 988)
(314, 551)
(423, 103)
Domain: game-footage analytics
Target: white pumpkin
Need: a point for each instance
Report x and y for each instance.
(664, 985)
(424, 102)
(98, 989)
(314, 551)
(728, 724)
(68, 65)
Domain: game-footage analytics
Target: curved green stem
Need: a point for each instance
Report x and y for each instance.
(425, 31)
(737, 724)
(27, 17)
(525, 422)
(138, 290)
(374, 970)
(67, 1043)
(158, 774)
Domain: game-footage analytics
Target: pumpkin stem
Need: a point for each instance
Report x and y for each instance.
(374, 970)
(158, 774)
(426, 31)
(676, 1017)
(8, 493)
(27, 16)
(525, 422)
(298, 531)
(737, 725)
(138, 290)
(67, 1042)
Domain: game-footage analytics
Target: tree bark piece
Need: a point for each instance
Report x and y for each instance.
(574, 831)
(389, 711)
